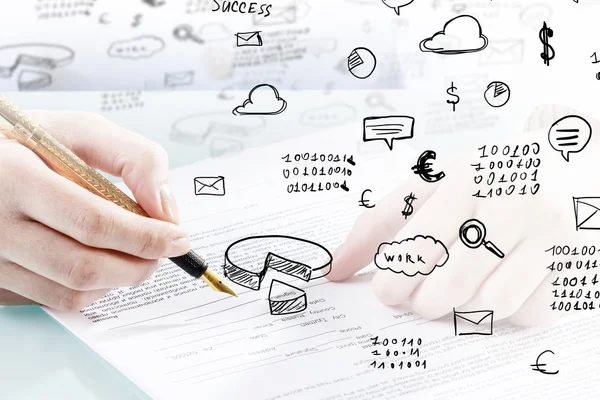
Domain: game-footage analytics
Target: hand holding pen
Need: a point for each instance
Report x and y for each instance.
(65, 247)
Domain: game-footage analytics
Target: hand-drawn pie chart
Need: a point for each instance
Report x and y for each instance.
(247, 260)
(497, 94)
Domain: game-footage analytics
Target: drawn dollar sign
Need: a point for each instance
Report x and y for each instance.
(548, 53)
(450, 91)
(408, 209)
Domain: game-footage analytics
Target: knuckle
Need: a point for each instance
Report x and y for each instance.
(152, 244)
(155, 153)
(89, 223)
(158, 151)
(82, 274)
(72, 300)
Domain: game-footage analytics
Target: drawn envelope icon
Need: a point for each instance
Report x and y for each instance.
(503, 52)
(279, 16)
(473, 322)
(209, 186)
(174, 79)
(245, 39)
(587, 213)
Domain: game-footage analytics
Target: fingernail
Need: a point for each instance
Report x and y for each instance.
(168, 204)
(179, 247)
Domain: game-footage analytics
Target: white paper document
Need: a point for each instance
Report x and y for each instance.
(303, 337)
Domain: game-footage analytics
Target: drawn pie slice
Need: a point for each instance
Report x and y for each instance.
(33, 80)
(248, 260)
(286, 299)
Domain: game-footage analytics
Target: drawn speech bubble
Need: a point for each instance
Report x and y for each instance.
(570, 134)
(139, 47)
(397, 4)
(418, 255)
(388, 129)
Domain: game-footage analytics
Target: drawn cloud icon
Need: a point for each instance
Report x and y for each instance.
(263, 100)
(460, 35)
(419, 255)
(139, 47)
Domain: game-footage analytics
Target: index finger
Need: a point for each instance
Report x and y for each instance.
(94, 221)
(375, 226)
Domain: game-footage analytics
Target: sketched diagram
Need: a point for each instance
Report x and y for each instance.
(361, 63)
(186, 32)
(175, 79)
(263, 100)
(388, 128)
(415, 256)
(248, 260)
(139, 47)
(460, 35)
(198, 128)
(397, 4)
(39, 55)
(282, 14)
(423, 167)
(477, 239)
(587, 213)
(249, 39)
(497, 94)
(570, 134)
(285, 298)
(473, 322)
(209, 186)
(537, 365)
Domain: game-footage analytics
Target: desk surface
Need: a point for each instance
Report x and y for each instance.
(40, 359)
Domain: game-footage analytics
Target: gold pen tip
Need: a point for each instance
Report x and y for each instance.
(216, 283)
(226, 289)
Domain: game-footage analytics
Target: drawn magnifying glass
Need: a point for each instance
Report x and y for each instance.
(186, 32)
(477, 228)
(377, 100)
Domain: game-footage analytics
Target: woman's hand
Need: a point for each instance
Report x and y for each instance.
(64, 247)
(519, 285)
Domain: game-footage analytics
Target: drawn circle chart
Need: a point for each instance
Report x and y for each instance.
(361, 63)
(497, 94)
(41, 55)
(248, 260)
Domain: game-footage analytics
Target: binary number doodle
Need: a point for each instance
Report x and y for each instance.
(575, 292)
(512, 170)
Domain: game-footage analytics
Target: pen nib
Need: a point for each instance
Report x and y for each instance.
(216, 283)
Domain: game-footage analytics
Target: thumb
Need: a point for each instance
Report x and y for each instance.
(141, 163)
